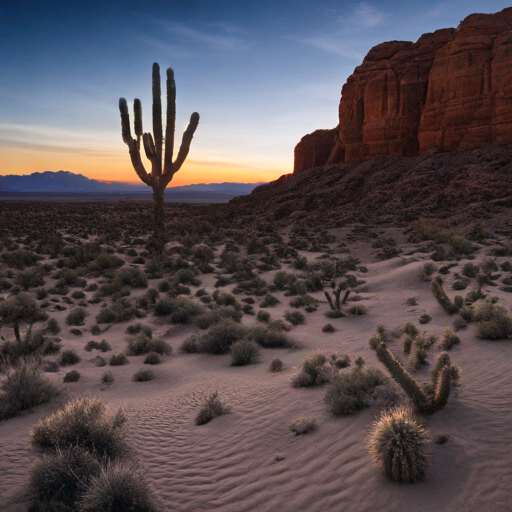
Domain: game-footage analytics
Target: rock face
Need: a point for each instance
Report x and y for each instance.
(451, 88)
(314, 149)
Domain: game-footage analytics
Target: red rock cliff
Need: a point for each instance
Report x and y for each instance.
(450, 88)
(314, 149)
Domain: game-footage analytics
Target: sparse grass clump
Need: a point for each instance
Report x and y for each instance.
(263, 316)
(295, 317)
(269, 337)
(244, 352)
(118, 360)
(350, 391)
(269, 301)
(303, 426)
(76, 316)
(24, 386)
(107, 378)
(211, 408)
(120, 486)
(143, 375)
(276, 365)
(136, 328)
(397, 444)
(152, 358)
(69, 357)
(72, 376)
(328, 328)
(142, 344)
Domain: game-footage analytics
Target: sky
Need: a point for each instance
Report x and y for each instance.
(261, 75)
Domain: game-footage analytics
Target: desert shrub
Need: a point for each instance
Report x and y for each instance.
(358, 310)
(132, 277)
(101, 263)
(459, 324)
(295, 317)
(225, 299)
(211, 408)
(120, 486)
(82, 423)
(184, 311)
(494, 322)
(123, 310)
(328, 328)
(397, 444)
(31, 277)
(427, 270)
(276, 365)
(95, 330)
(33, 343)
(107, 378)
(220, 336)
(263, 316)
(269, 301)
(103, 345)
(350, 391)
(283, 279)
(105, 316)
(312, 371)
(186, 276)
(297, 288)
(24, 386)
(269, 337)
(470, 270)
(152, 358)
(425, 319)
(314, 282)
(449, 339)
(244, 352)
(78, 295)
(303, 426)
(164, 307)
(141, 343)
(76, 316)
(52, 326)
(189, 345)
(118, 360)
(303, 300)
(143, 375)
(460, 284)
(69, 357)
(467, 313)
(58, 479)
(213, 316)
(20, 259)
(72, 376)
(138, 327)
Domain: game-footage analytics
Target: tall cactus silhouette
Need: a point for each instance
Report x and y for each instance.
(160, 176)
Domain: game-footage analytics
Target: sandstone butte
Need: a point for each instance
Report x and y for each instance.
(450, 89)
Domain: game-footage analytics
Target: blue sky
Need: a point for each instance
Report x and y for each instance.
(261, 75)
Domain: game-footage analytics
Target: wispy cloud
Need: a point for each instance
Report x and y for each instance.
(220, 38)
(174, 50)
(365, 15)
(436, 10)
(333, 44)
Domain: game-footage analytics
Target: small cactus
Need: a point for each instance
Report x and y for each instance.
(397, 445)
(337, 303)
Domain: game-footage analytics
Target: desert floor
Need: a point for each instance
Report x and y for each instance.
(249, 460)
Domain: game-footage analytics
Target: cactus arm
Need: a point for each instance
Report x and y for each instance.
(171, 121)
(132, 144)
(125, 121)
(347, 293)
(185, 143)
(157, 120)
(328, 297)
(137, 124)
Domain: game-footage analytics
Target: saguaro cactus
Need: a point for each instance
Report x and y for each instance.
(160, 175)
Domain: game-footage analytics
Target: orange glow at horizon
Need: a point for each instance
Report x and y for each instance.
(117, 167)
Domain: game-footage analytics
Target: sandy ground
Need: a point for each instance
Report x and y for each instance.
(230, 464)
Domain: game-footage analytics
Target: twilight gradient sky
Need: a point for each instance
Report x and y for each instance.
(261, 75)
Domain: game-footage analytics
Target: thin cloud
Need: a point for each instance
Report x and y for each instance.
(365, 15)
(174, 50)
(335, 45)
(223, 41)
(436, 10)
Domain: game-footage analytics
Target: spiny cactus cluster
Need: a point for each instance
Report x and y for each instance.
(160, 176)
(337, 303)
(397, 444)
(441, 381)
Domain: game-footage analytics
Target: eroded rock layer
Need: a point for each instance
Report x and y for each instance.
(450, 89)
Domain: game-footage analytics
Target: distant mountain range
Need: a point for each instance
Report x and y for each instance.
(64, 182)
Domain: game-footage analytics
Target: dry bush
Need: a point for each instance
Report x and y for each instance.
(142, 344)
(24, 386)
(76, 316)
(107, 378)
(271, 337)
(449, 339)
(72, 376)
(143, 375)
(219, 337)
(328, 328)
(295, 317)
(69, 357)
(494, 322)
(82, 423)
(215, 315)
(152, 358)
(426, 271)
(211, 408)
(351, 391)
(118, 360)
(276, 365)
(397, 444)
(244, 352)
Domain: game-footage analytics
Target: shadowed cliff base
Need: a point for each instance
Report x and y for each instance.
(465, 184)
